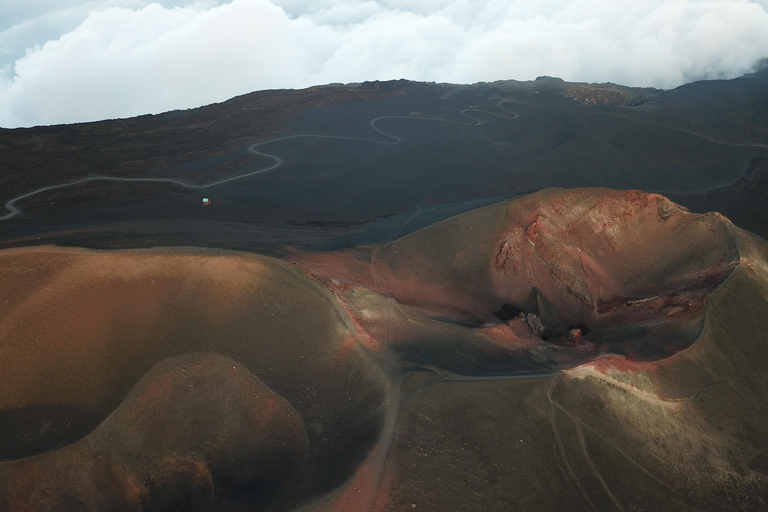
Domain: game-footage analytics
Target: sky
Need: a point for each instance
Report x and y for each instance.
(66, 61)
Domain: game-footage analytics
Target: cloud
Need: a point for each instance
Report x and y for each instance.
(126, 57)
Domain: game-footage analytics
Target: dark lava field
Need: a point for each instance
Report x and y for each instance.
(391, 296)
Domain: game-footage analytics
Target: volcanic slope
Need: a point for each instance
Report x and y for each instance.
(80, 329)
(175, 377)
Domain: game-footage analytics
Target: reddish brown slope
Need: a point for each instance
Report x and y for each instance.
(585, 257)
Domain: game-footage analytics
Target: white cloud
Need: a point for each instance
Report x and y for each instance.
(120, 58)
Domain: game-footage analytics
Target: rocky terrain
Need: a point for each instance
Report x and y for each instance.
(384, 304)
(193, 378)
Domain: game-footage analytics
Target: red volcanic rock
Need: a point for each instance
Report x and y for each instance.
(573, 336)
(596, 257)
(590, 255)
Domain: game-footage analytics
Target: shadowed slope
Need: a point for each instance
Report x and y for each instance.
(193, 424)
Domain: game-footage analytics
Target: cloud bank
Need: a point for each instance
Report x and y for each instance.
(86, 61)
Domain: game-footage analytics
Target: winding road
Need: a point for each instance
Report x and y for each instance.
(14, 210)
(389, 139)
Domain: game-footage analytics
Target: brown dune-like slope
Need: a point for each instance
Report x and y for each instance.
(193, 423)
(80, 328)
(187, 378)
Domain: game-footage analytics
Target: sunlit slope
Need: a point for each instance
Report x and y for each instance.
(684, 433)
(691, 428)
